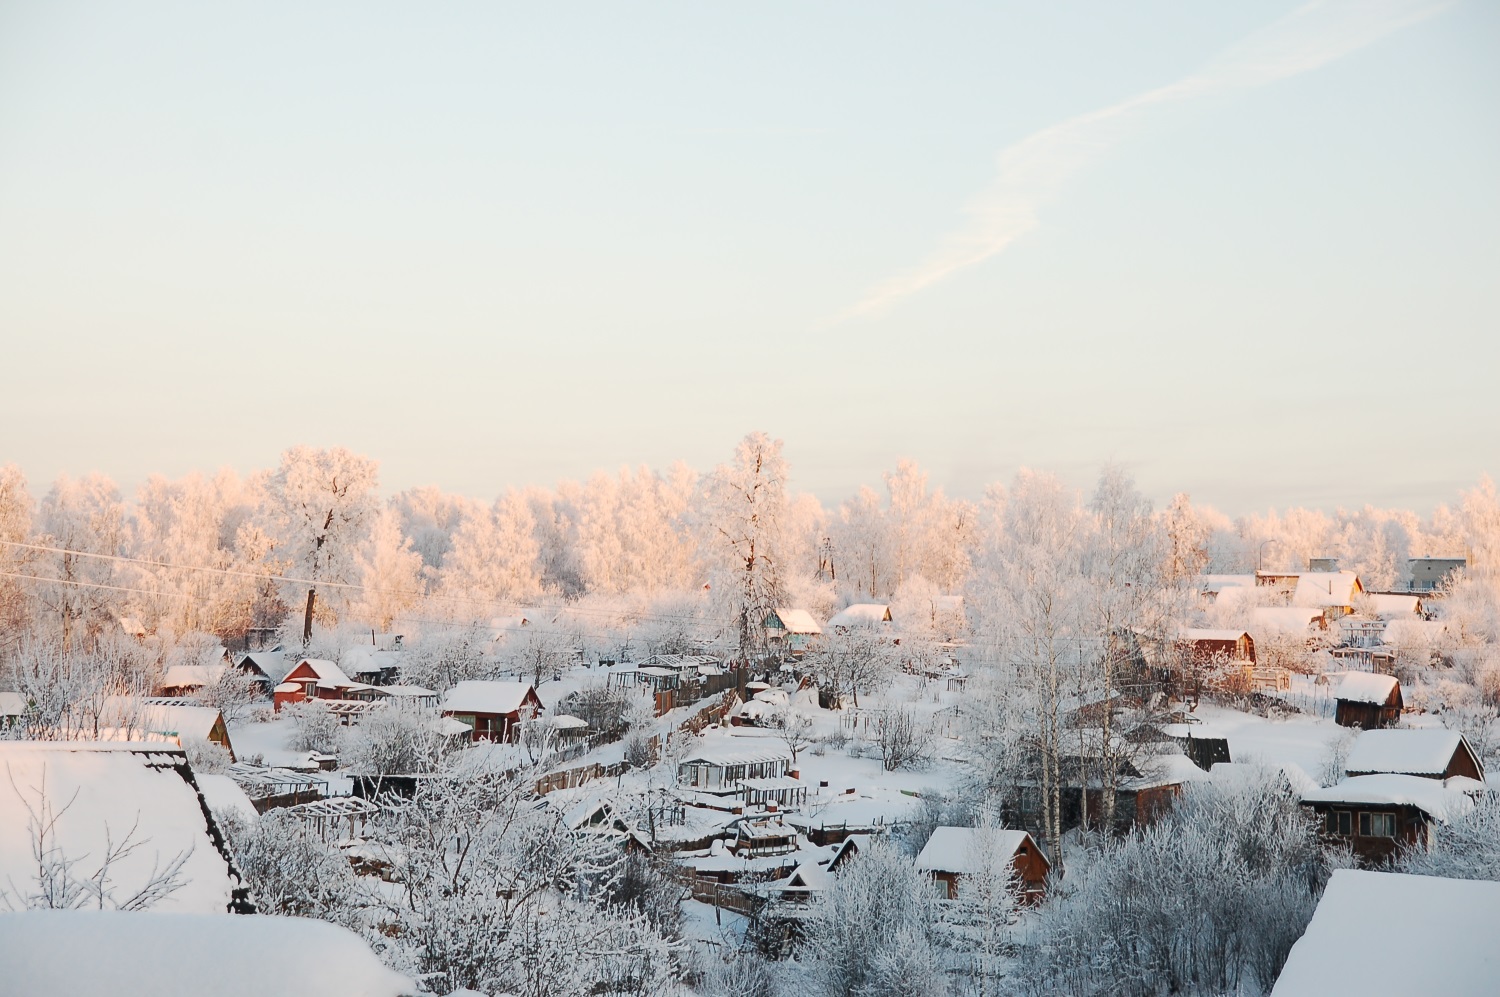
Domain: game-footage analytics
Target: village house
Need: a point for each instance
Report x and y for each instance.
(1367, 700)
(1378, 815)
(791, 629)
(1429, 573)
(955, 852)
(129, 718)
(1429, 752)
(494, 710)
(316, 678)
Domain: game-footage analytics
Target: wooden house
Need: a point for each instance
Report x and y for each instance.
(1430, 753)
(1367, 700)
(493, 709)
(129, 718)
(791, 629)
(1207, 646)
(955, 852)
(316, 678)
(1376, 816)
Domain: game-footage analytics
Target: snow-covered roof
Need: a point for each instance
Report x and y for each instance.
(1248, 773)
(366, 658)
(12, 704)
(960, 849)
(861, 614)
(737, 751)
(1326, 588)
(1203, 633)
(1217, 583)
(486, 697)
(1368, 687)
(99, 791)
(126, 714)
(1426, 751)
(1392, 605)
(798, 621)
(566, 721)
(1165, 770)
(222, 793)
(1427, 795)
(328, 674)
(94, 953)
(407, 691)
(1285, 619)
(192, 676)
(1390, 933)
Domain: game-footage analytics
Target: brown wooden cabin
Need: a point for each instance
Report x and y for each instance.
(949, 856)
(1207, 647)
(1368, 701)
(1377, 816)
(494, 709)
(315, 678)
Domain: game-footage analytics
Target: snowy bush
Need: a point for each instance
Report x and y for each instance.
(291, 871)
(315, 728)
(397, 740)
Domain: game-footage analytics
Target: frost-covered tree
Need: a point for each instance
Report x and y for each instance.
(746, 501)
(389, 570)
(16, 509)
(83, 521)
(494, 564)
(320, 505)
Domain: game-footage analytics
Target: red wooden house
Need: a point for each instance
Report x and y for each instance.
(492, 709)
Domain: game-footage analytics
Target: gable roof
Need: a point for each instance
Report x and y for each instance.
(1368, 687)
(1411, 752)
(328, 674)
(1326, 588)
(98, 792)
(797, 621)
(192, 676)
(1285, 619)
(486, 697)
(129, 716)
(1389, 604)
(1204, 633)
(960, 849)
(1437, 934)
(12, 704)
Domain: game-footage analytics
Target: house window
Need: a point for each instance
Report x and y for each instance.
(1377, 825)
(1340, 822)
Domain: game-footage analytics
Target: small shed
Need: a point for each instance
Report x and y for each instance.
(1367, 700)
(860, 615)
(955, 852)
(1208, 646)
(719, 767)
(493, 709)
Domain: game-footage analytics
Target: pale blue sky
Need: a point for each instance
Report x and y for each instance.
(496, 245)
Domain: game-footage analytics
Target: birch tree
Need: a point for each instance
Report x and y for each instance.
(746, 501)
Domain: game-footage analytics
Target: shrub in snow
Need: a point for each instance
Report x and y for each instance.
(315, 728)
(903, 741)
(397, 740)
(1467, 847)
(290, 870)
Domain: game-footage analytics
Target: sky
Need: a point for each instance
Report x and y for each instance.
(1247, 250)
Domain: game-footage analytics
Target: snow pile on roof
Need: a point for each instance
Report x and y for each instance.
(12, 704)
(862, 614)
(223, 794)
(961, 849)
(1367, 687)
(1201, 633)
(192, 676)
(98, 792)
(134, 719)
(1241, 774)
(737, 751)
(1218, 583)
(1426, 751)
(486, 697)
(1166, 770)
(1326, 588)
(1383, 932)
(1293, 620)
(328, 674)
(113, 954)
(1389, 606)
(1428, 795)
(798, 621)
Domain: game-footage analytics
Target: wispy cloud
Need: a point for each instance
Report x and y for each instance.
(1030, 172)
